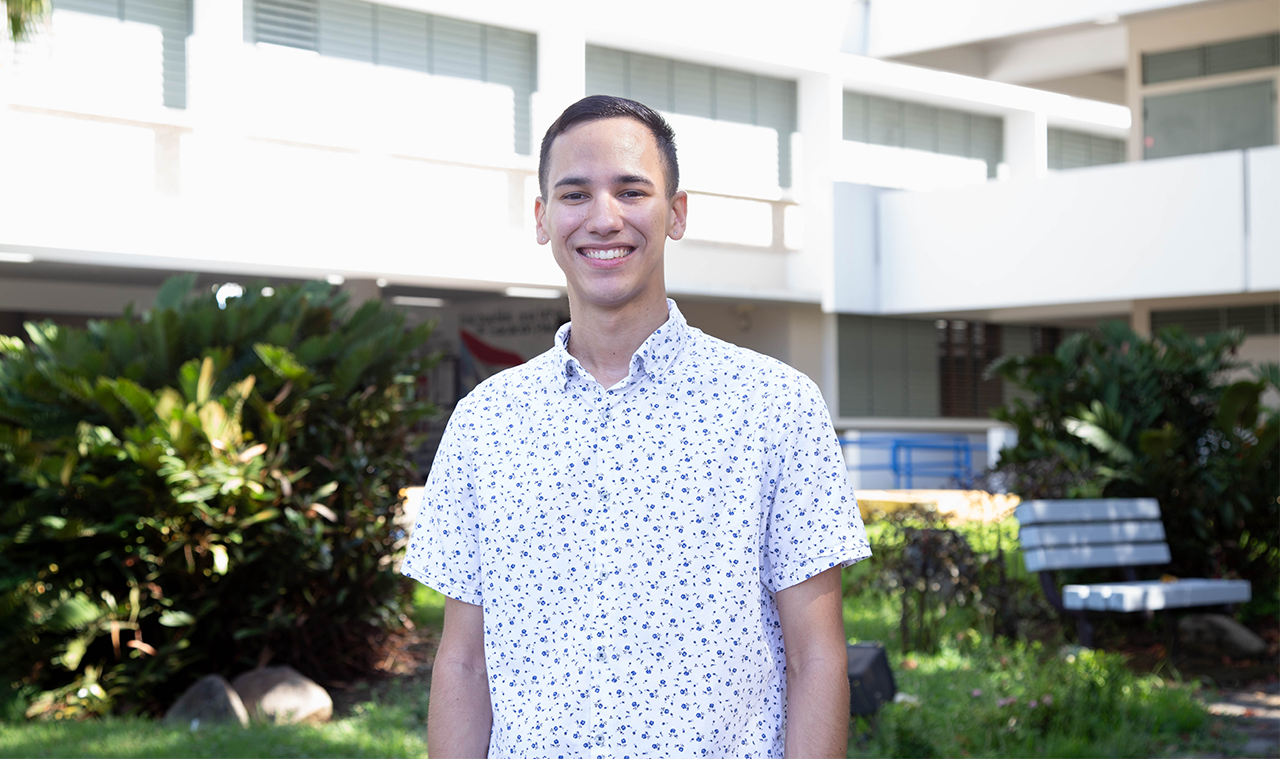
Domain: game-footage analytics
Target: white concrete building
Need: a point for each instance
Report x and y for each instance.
(885, 194)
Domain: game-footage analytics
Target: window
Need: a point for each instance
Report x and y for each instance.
(899, 123)
(172, 17)
(1071, 150)
(887, 367)
(405, 39)
(1205, 121)
(695, 90)
(965, 350)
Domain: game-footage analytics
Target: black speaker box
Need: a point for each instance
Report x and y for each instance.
(871, 682)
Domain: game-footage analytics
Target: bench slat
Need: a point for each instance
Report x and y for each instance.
(1155, 595)
(1049, 536)
(1079, 557)
(1087, 510)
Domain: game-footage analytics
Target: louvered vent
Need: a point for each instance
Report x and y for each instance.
(1254, 320)
(294, 23)
(1069, 149)
(1208, 60)
(1241, 55)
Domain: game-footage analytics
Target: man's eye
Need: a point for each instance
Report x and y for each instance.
(633, 194)
(574, 196)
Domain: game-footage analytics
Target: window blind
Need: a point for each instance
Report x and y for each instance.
(172, 17)
(407, 39)
(903, 124)
(696, 90)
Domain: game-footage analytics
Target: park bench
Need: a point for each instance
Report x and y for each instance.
(1111, 532)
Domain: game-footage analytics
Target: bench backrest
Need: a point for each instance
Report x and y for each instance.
(1103, 532)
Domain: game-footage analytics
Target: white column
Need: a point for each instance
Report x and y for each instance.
(999, 438)
(212, 61)
(361, 291)
(1026, 144)
(812, 268)
(562, 74)
(1140, 318)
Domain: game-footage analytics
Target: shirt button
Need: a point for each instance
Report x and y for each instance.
(599, 655)
(604, 495)
(599, 740)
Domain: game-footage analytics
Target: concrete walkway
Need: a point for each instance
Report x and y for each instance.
(1256, 714)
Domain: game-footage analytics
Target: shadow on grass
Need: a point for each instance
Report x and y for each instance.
(375, 731)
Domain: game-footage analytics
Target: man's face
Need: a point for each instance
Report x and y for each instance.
(607, 215)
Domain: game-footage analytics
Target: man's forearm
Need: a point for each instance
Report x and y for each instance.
(460, 715)
(817, 709)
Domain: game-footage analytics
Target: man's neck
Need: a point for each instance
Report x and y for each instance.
(604, 340)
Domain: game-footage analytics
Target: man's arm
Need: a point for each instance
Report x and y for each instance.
(817, 667)
(460, 716)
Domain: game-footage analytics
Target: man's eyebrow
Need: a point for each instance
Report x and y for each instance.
(620, 179)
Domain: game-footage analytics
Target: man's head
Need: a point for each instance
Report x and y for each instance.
(596, 107)
(609, 203)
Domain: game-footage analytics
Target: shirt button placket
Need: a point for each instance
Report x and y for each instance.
(597, 661)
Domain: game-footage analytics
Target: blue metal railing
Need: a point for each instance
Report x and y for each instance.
(947, 457)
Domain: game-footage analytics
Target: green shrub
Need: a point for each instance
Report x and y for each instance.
(1114, 414)
(199, 489)
(948, 582)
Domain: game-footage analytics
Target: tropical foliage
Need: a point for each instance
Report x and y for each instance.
(22, 15)
(198, 489)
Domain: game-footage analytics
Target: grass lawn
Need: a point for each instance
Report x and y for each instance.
(973, 698)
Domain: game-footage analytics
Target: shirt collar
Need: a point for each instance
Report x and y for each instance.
(654, 356)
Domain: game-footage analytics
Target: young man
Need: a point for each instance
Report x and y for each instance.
(639, 532)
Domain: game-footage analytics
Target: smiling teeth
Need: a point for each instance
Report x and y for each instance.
(605, 255)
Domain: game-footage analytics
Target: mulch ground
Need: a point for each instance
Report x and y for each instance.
(1242, 695)
(405, 668)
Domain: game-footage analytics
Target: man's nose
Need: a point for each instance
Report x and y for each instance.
(604, 217)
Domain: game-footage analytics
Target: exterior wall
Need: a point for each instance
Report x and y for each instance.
(1102, 234)
(789, 332)
(1189, 27)
(1263, 260)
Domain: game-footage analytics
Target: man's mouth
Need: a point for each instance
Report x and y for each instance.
(606, 254)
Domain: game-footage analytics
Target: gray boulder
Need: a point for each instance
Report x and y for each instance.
(211, 700)
(1219, 635)
(283, 695)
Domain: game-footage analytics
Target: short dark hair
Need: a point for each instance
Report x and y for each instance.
(597, 107)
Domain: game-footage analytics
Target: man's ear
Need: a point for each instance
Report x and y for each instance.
(539, 220)
(679, 211)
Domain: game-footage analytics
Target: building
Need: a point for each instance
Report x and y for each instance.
(885, 194)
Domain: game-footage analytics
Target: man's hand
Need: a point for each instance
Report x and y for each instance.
(817, 667)
(460, 716)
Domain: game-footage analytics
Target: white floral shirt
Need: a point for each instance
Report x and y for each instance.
(626, 544)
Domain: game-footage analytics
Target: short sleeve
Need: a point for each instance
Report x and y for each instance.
(814, 523)
(444, 552)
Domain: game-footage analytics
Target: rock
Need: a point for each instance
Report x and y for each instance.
(1219, 635)
(283, 695)
(211, 700)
